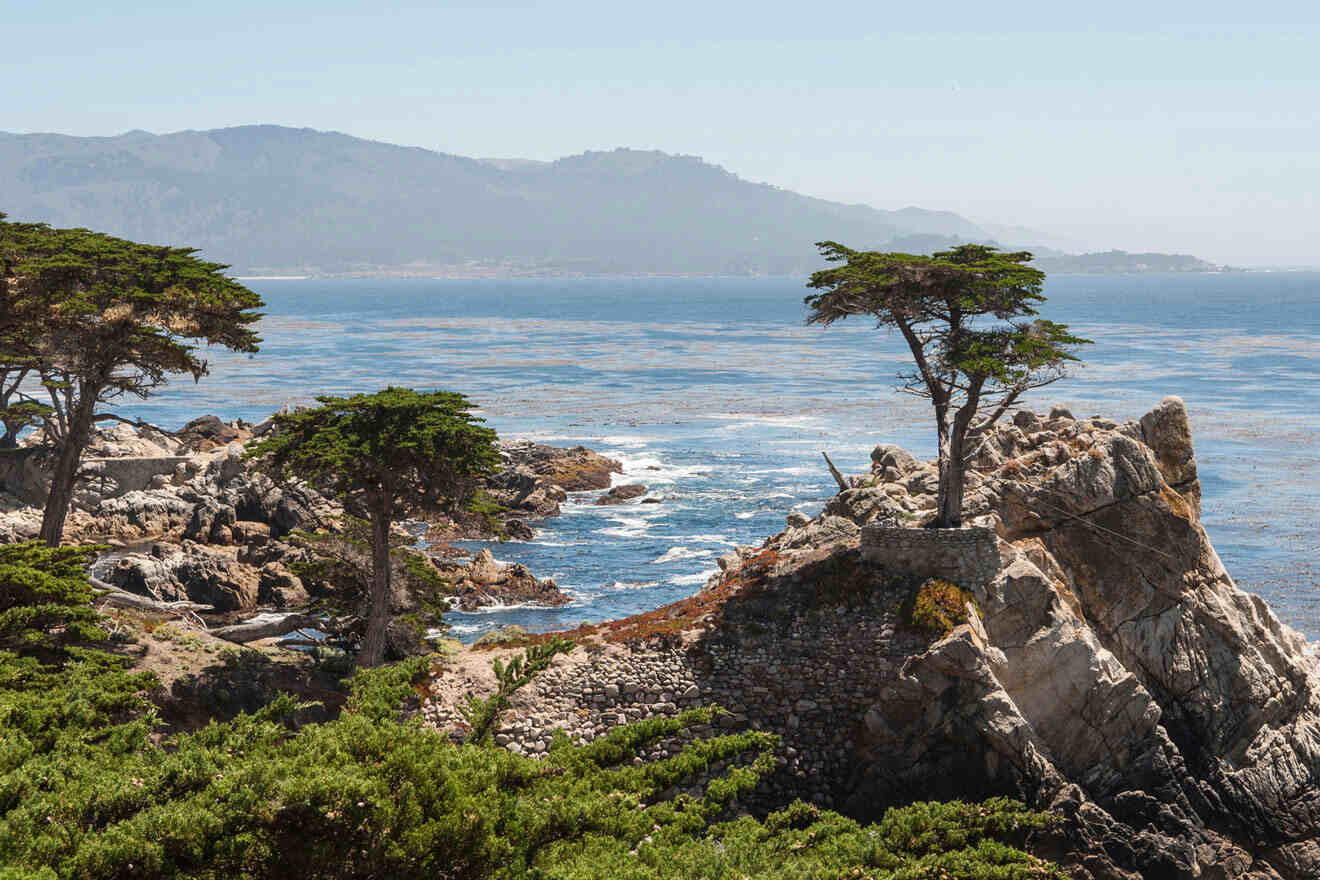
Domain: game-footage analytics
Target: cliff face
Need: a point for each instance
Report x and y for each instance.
(1115, 673)
(1109, 670)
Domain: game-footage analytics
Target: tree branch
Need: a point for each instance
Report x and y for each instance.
(834, 472)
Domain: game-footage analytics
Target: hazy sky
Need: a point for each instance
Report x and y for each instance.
(1189, 127)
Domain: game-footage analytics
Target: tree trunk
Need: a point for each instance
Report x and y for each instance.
(949, 501)
(65, 474)
(378, 614)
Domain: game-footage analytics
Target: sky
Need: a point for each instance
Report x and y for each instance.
(1169, 126)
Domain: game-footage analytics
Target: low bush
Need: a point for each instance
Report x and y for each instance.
(85, 792)
(936, 607)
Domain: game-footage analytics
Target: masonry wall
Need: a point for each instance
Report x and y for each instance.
(967, 557)
(798, 662)
(23, 476)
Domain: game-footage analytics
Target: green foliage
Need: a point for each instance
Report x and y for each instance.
(97, 317)
(936, 607)
(417, 450)
(45, 599)
(971, 371)
(482, 714)
(85, 793)
(486, 507)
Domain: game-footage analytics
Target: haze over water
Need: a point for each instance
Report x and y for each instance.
(716, 396)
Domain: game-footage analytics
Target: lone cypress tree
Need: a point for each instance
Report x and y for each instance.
(972, 372)
(387, 454)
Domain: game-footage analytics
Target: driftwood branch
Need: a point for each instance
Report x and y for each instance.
(834, 472)
(112, 595)
(264, 627)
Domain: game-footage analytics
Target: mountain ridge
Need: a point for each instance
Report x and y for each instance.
(277, 200)
(268, 198)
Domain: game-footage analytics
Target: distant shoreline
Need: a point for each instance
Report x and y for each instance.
(272, 277)
(386, 275)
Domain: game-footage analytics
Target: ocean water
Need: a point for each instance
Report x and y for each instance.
(714, 394)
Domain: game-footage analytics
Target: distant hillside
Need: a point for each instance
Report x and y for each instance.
(1053, 261)
(268, 199)
(1114, 262)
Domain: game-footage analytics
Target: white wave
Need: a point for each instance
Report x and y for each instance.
(632, 585)
(673, 554)
(748, 515)
(454, 629)
(652, 470)
(687, 580)
(754, 419)
(521, 606)
(627, 527)
(625, 440)
(795, 471)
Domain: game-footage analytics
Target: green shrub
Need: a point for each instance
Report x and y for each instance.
(85, 792)
(937, 607)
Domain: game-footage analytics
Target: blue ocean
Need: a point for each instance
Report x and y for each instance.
(715, 394)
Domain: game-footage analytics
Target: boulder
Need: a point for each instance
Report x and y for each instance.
(484, 582)
(887, 455)
(280, 587)
(1167, 431)
(208, 432)
(191, 572)
(575, 469)
(620, 494)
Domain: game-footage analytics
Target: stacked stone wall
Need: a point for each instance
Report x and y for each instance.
(794, 665)
(967, 557)
(24, 475)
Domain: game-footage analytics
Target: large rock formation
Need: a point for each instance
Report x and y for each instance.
(218, 527)
(533, 481)
(484, 583)
(1110, 670)
(1115, 673)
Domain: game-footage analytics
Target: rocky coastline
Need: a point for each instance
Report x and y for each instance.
(1102, 665)
(1079, 646)
(187, 518)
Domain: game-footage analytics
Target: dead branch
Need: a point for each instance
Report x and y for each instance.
(834, 472)
(259, 628)
(112, 595)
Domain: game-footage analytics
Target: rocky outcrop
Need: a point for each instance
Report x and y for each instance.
(533, 481)
(191, 572)
(620, 494)
(574, 469)
(218, 527)
(484, 583)
(1168, 712)
(1109, 670)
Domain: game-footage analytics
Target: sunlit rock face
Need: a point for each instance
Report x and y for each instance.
(1114, 672)
(1108, 670)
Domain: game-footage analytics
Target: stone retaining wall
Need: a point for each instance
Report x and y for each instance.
(792, 663)
(25, 479)
(968, 557)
